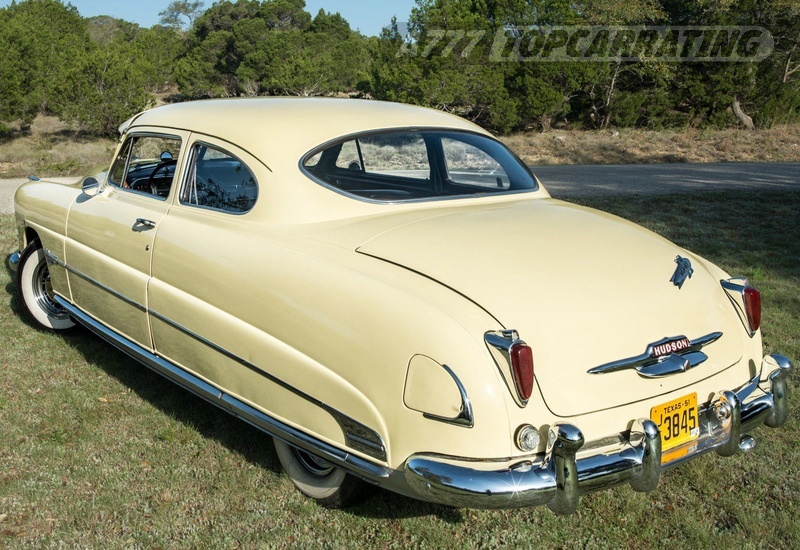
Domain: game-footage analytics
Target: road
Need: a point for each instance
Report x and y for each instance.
(570, 181)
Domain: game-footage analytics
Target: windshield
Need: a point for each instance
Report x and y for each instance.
(419, 165)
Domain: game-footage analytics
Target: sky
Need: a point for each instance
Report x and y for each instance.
(367, 16)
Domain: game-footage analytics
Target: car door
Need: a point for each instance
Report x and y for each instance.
(110, 236)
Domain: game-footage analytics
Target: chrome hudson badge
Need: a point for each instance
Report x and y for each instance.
(665, 357)
(682, 272)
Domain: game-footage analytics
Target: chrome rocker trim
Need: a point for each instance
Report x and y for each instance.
(355, 465)
(570, 469)
(13, 261)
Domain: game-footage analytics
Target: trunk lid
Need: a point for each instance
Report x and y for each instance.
(582, 287)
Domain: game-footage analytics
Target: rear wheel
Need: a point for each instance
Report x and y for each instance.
(317, 478)
(36, 291)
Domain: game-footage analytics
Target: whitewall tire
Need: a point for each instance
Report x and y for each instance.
(329, 485)
(36, 292)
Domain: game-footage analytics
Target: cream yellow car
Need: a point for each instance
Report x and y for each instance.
(391, 294)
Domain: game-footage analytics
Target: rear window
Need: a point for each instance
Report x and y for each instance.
(418, 165)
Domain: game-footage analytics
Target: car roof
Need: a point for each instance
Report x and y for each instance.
(280, 130)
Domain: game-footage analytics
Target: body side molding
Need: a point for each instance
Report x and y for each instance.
(356, 465)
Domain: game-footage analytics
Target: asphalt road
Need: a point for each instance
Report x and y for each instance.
(570, 181)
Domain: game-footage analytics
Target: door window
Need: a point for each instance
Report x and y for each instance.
(146, 164)
(219, 180)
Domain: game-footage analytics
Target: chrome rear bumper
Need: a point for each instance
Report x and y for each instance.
(570, 469)
(13, 261)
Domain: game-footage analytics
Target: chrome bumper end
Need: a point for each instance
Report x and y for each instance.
(570, 469)
(13, 261)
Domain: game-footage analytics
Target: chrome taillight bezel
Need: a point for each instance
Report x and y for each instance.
(500, 344)
(736, 289)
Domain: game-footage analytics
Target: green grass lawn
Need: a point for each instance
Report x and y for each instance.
(96, 450)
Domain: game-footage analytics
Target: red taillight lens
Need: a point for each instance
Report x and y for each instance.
(522, 366)
(752, 307)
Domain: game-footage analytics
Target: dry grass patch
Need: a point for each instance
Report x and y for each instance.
(779, 144)
(53, 149)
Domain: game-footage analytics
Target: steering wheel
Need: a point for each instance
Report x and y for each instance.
(161, 165)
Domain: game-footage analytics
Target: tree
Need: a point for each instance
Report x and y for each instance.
(173, 16)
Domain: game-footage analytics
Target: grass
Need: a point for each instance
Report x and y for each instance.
(98, 451)
(52, 149)
(631, 146)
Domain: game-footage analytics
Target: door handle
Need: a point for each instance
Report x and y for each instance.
(144, 222)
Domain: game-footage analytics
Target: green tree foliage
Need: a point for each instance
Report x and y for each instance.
(248, 48)
(37, 38)
(474, 58)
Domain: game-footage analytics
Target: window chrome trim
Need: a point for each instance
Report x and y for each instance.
(354, 464)
(190, 163)
(412, 129)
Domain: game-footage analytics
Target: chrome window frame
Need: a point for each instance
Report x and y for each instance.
(189, 169)
(412, 129)
(127, 139)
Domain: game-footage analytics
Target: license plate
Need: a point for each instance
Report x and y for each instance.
(677, 421)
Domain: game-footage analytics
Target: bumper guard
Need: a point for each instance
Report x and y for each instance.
(570, 469)
(13, 261)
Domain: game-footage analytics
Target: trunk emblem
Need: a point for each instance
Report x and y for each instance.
(682, 272)
(665, 357)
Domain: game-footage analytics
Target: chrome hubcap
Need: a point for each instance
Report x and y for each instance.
(43, 292)
(315, 465)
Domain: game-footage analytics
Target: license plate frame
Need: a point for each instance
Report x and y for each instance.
(678, 421)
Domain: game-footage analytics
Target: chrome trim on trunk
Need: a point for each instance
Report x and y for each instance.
(357, 435)
(649, 365)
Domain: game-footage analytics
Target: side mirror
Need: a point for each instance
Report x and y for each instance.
(90, 186)
(165, 156)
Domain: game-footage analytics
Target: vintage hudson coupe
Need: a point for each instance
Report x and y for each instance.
(391, 294)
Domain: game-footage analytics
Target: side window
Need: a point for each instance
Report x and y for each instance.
(146, 164)
(217, 179)
(404, 155)
(468, 165)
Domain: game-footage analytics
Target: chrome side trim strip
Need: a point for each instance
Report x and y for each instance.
(52, 259)
(354, 464)
(357, 435)
(465, 416)
(649, 365)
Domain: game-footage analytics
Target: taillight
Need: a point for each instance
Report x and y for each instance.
(522, 366)
(752, 307)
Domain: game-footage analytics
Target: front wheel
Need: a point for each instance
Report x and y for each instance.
(36, 291)
(317, 478)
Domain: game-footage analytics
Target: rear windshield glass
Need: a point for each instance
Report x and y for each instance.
(419, 165)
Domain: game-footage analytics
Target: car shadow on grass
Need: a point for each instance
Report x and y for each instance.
(214, 423)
